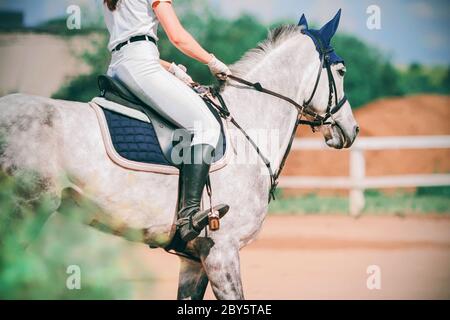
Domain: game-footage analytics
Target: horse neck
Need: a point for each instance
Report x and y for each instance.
(282, 71)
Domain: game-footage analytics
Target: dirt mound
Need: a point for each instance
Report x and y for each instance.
(409, 116)
(415, 115)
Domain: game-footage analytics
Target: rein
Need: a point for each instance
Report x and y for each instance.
(302, 110)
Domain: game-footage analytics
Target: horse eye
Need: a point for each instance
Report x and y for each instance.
(341, 72)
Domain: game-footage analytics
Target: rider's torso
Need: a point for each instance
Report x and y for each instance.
(131, 18)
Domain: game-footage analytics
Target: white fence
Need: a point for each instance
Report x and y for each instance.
(357, 181)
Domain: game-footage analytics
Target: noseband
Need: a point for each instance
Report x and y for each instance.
(304, 109)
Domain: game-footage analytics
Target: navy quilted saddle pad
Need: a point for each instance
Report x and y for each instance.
(137, 140)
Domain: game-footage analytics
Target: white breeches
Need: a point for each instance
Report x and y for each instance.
(137, 66)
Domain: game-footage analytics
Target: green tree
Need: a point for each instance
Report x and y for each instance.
(418, 78)
(84, 87)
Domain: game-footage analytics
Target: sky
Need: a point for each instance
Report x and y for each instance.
(410, 30)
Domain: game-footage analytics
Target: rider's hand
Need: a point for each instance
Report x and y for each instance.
(218, 68)
(180, 72)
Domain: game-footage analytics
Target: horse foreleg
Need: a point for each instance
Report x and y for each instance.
(192, 281)
(222, 266)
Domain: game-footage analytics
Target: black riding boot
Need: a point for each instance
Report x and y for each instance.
(194, 174)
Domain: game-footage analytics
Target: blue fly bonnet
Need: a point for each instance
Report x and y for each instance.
(323, 37)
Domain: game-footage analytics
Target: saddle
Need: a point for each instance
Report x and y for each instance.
(138, 138)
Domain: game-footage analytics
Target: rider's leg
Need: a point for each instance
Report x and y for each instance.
(179, 104)
(194, 173)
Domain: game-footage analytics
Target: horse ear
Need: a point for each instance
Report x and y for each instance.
(303, 21)
(329, 29)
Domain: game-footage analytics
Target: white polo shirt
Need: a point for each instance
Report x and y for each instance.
(131, 18)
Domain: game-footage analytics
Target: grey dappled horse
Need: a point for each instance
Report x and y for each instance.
(60, 142)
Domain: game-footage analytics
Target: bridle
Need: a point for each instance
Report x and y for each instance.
(324, 54)
(303, 110)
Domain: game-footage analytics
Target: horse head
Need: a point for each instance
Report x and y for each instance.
(326, 88)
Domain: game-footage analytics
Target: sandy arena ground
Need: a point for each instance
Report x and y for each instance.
(326, 257)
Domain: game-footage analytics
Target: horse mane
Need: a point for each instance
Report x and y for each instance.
(275, 38)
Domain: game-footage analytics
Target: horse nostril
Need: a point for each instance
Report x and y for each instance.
(356, 130)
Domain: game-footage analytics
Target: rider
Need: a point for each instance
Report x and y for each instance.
(132, 25)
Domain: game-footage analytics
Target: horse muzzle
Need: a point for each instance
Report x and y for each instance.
(338, 137)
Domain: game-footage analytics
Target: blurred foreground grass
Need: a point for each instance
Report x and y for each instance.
(425, 200)
(41, 270)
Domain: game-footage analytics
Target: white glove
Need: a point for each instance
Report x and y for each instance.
(180, 72)
(218, 68)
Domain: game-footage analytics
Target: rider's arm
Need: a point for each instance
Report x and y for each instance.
(177, 35)
(183, 40)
